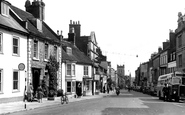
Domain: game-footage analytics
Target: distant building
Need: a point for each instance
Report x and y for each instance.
(121, 75)
(180, 43)
(172, 53)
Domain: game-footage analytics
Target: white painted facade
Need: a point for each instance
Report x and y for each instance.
(79, 75)
(10, 62)
(87, 81)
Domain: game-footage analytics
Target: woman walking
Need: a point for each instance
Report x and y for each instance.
(39, 94)
(30, 92)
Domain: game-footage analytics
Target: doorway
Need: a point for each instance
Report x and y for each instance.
(35, 79)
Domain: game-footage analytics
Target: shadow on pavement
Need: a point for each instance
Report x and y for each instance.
(130, 111)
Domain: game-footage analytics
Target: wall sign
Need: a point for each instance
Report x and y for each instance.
(21, 66)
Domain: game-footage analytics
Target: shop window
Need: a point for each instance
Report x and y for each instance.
(69, 87)
(73, 87)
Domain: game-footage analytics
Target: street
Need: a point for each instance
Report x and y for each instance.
(133, 103)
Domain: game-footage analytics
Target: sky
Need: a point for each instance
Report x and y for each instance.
(123, 28)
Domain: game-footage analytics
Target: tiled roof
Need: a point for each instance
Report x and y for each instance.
(47, 32)
(77, 55)
(11, 23)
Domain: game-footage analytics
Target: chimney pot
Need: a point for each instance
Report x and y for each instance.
(70, 21)
(78, 22)
(57, 32)
(61, 32)
(73, 22)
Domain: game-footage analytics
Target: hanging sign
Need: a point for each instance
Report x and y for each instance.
(21, 66)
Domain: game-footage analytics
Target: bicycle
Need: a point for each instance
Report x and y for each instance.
(65, 99)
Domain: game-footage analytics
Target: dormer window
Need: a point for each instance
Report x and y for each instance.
(39, 25)
(68, 50)
(4, 9)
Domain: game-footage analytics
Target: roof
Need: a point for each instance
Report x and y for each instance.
(47, 32)
(77, 55)
(11, 23)
(104, 65)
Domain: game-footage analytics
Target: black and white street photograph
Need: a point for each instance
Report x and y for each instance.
(92, 57)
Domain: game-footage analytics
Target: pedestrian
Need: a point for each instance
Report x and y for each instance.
(30, 92)
(39, 94)
(165, 92)
(79, 92)
(108, 89)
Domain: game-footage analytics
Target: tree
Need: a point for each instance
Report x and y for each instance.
(52, 67)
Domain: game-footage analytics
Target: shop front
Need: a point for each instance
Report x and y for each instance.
(87, 86)
(97, 82)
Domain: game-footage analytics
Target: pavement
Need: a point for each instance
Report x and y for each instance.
(7, 108)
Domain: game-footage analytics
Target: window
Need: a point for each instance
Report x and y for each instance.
(180, 41)
(88, 85)
(4, 9)
(1, 80)
(180, 60)
(1, 42)
(46, 51)
(73, 86)
(69, 50)
(174, 56)
(68, 86)
(39, 25)
(55, 51)
(71, 69)
(68, 69)
(15, 80)
(36, 51)
(15, 45)
(86, 70)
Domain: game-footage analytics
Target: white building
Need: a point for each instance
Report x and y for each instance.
(13, 51)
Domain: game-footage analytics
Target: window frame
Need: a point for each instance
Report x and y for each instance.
(1, 80)
(18, 46)
(180, 60)
(180, 41)
(18, 81)
(86, 70)
(55, 52)
(37, 51)
(46, 57)
(71, 70)
(1, 42)
(4, 9)
(68, 87)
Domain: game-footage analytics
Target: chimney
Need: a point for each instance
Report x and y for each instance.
(36, 9)
(58, 32)
(61, 36)
(77, 28)
(71, 36)
(159, 49)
